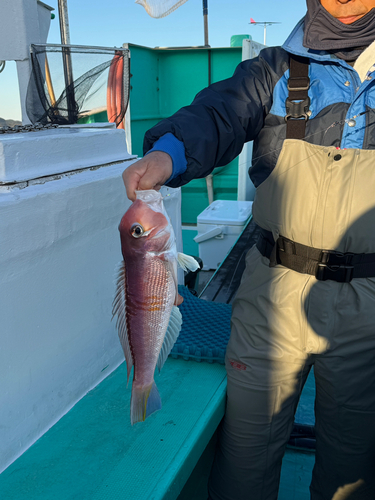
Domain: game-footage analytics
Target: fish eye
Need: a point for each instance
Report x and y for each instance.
(137, 230)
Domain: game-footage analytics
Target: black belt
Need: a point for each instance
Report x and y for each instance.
(323, 264)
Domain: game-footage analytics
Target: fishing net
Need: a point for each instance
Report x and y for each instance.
(160, 8)
(75, 84)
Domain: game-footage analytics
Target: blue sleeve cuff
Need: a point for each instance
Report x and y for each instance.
(169, 144)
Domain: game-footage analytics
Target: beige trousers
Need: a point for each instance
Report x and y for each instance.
(284, 322)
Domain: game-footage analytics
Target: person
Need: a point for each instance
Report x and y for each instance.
(307, 294)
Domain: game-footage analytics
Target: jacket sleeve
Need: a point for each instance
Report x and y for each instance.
(220, 120)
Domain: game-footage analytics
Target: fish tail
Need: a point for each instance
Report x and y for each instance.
(144, 401)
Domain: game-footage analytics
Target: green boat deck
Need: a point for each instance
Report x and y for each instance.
(94, 453)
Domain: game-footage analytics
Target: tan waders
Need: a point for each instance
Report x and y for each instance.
(285, 321)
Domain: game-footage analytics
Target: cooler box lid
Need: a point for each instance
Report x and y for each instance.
(227, 212)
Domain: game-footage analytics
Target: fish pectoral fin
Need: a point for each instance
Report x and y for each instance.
(187, 262)
(171, 335)
(119, 310)
(144, 401)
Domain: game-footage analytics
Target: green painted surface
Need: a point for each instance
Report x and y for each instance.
(93, 452)
(163, 81)
(294, 482)
(194, 194)
(236, 40)
(182, 75)
(190, 247)
(100, 117)
(296, 475)
(144, 94)
(194, 200)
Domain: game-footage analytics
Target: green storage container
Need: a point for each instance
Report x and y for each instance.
(236, 40)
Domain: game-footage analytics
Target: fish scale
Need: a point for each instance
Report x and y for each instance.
(146, 347)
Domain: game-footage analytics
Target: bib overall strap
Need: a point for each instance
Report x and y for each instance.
(323, 264)
(297, 103)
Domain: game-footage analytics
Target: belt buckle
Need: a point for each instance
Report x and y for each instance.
(345, 258)
(324, 273)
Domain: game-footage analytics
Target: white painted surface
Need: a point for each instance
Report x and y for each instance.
(234, 213)
(215, 242)
(245, 188)
(59, 247)
(44, 19)
(219, 227)
(23, 72)
(22, 22)
(128, 129)
(54, 151)
(251, 49)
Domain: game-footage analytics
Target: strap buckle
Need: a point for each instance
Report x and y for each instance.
(341, 274)
(298, 84)
(282, 245)
(333, 258)
(297, 108)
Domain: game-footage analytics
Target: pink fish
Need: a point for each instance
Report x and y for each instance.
(148, 320)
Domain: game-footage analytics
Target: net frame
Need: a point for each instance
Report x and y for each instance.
(44, 107)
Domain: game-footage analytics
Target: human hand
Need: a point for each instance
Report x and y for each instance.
(150, 172)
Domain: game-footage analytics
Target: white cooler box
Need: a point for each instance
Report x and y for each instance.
(219, 227)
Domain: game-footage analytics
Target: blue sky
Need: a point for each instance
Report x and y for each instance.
(113, 22)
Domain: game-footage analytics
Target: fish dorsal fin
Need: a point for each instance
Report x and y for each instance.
(118, 309)
(173, 330)
(187, 262)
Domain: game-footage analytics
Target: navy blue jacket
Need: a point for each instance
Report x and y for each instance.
(251, 106)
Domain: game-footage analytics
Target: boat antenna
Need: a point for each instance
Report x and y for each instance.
(264, 24)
